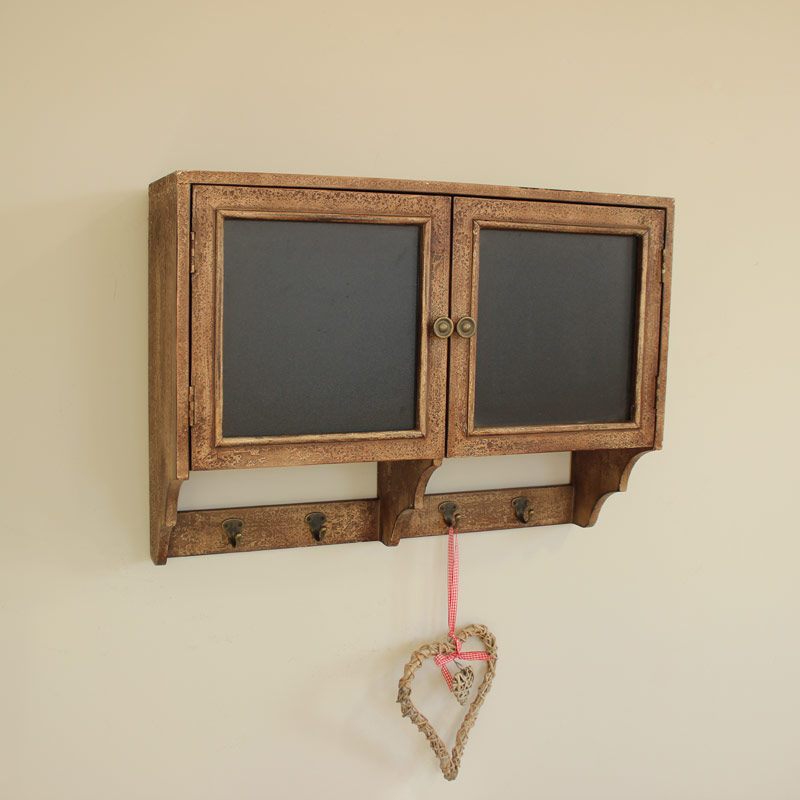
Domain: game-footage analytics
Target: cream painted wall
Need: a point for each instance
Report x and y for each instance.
(653, 656)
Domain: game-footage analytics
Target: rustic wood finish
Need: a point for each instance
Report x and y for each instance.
(401, 487)
(596, 475)
(603, 455)
(168, 345)
(666, 293)
(489, 510)
(212, 204)
(189, 177)
(276, 527)
(470, 215)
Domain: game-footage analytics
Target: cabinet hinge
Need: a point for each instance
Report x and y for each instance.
(191, 406)
(664, 256)
(191, 253)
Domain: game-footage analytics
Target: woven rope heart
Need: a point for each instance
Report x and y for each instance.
(462, 683)
(449, 762)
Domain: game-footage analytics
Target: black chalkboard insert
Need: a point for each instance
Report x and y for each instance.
(556, 328)
(320, 327)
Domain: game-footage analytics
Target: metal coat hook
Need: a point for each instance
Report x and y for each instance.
(448, 510)
(316, 521)
(233, 527)
(521, 509)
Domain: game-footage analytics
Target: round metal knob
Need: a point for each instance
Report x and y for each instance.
(466, 327)
(443, 327)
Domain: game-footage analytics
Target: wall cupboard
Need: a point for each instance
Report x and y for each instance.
(312, 320)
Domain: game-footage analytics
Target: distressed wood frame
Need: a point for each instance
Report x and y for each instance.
(470, 217)
(600, 466)
(211, 206)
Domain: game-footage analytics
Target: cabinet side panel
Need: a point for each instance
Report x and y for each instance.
(166, 471)
(666, 288)
(183, 225)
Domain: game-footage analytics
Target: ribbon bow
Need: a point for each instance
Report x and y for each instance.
(443, 659)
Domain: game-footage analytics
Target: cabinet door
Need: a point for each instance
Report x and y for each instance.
(566, 298)
(311, 316)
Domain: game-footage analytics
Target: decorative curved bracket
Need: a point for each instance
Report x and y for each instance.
(163, 515)
(596, 475)
(401, 487)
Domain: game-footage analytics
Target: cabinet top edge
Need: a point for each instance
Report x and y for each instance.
(189, 177)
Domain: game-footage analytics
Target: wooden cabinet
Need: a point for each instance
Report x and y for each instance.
(308, 320)
(311, 340)
(567, 303)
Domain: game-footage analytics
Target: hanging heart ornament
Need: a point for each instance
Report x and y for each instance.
(462, 683)
(448, 761)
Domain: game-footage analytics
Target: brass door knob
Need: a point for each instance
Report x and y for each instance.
(466, 327)
(443, 327)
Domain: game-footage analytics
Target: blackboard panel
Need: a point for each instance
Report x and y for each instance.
(556, 328)
(320, 330)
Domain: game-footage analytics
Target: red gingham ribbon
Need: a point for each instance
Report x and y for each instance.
(443, 659)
